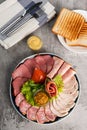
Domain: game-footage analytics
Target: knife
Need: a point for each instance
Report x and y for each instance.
(30, 10)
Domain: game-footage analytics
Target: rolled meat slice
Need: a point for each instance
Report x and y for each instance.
(40, 116)
(21, 71)
(24, 106)
(64, 68)
(17, 84)
(49, 115)
(57, 64)
(51, 88)
(56, 112)
(31, 113)
(49, 62)
(41, 62)
(19, 98)
(68, 75)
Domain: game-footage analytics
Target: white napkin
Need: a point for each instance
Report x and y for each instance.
(13, 7)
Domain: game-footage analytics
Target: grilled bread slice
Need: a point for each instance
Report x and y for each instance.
(83, 32)
(79, 42)
(68, 24)
(82, 39)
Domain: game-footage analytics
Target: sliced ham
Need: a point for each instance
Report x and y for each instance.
(75, 95)
(17, 84)
(19, 98)
(21, 71)
(31, 112)
(58, 106)
(71, 96)
(40, 116)
(71, 89)
(41, 62)
(56, 112)
(64, 68)
(57, 64)
(68, 75)
(71, 82)
(31, 65)
(49, 62)
(50, 116)
(67, 103)
(24, 106)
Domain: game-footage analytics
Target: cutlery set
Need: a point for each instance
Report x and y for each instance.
(15, 24)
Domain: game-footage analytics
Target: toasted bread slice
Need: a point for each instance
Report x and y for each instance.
(68, 24)
(78, 42)
(83, 32)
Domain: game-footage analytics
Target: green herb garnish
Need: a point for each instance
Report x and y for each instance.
(59, 82)
(29, 89)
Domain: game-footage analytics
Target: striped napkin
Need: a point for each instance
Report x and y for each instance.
(11, 9)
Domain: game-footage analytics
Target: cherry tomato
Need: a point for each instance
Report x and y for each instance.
(38, 76)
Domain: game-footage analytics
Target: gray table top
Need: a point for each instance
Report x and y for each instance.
(77, 119)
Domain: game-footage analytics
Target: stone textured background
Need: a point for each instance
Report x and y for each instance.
(77, 119)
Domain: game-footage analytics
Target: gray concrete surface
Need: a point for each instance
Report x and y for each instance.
(77, 119)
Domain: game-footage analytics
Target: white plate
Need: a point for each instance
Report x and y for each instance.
(74, 49)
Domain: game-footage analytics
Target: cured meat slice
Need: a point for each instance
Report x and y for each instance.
(71, 96)
(57, 64)
(41, 62)
(58, 106)
(68, 75)
(31, 112)
(51, 89)
(17, 84)
(64, 68)
(40, 116)
(49, 63)
(24, 106)
(71, 89)
(56, 112)
(19, 98)
(67, 103)
(21, 71)
(50, 116)
(72, 81)
(31, 65)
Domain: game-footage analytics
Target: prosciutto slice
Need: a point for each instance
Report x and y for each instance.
(19, 98)
(57, 64)
(24, 106)
(21, 71)
(17, 84)
(64, 68)
(40, 116)
(31, 112)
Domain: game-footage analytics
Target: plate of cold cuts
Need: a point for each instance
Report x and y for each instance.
(44, 88)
